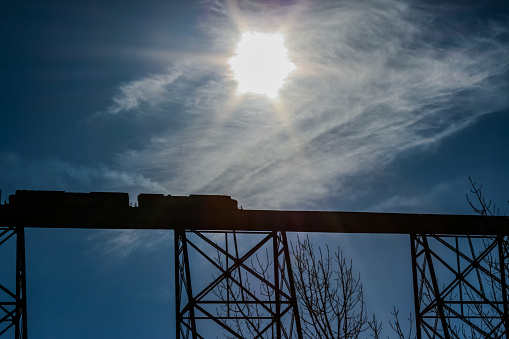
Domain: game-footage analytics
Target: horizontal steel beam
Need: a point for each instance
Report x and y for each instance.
(119, 217)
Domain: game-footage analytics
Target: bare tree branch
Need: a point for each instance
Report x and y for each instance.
(330, 294)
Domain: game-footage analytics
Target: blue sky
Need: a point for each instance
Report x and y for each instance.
(393, 105)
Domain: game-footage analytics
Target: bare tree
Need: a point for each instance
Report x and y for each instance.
(396, 325)
(241, 298)
(330, 294)
(497, 266)
(479, 204)
(376, 328)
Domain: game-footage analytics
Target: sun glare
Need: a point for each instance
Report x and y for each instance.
(261, 64)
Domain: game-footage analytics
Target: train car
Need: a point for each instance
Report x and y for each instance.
(62, 198)
(193, 201)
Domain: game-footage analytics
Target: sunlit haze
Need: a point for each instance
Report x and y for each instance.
(261, 64)
(289, 105)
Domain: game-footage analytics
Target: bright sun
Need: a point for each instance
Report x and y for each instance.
(261, 64)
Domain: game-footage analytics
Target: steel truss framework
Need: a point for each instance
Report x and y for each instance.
(13, 317)
(460, 286)
(222, 285)
(240, 279)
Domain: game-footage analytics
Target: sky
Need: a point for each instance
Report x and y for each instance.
(391, 107)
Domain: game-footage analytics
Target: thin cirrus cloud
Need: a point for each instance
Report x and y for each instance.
(53, 174)
(374, 79)
(151, 90)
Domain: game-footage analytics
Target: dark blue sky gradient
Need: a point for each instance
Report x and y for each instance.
(393, 105)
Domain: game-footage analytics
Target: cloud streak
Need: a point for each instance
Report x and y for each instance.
(149, 90)
(375, 79)
(122, 243)
(17, 172)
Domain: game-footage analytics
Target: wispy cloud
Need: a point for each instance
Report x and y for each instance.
(148, 90)
(374, 79)
(434, 199)
(18, 172)
(122, 243)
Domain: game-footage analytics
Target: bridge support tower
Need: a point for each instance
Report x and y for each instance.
(239, 283)
(13, 315)
(460, 286)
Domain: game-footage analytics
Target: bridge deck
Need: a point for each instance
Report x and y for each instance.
(115, 217)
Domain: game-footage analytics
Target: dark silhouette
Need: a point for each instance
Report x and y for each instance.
(459, 264)
(329, 294)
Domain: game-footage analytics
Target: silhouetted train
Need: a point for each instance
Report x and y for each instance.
(113, 199)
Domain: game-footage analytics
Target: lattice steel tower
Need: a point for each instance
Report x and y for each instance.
(250, 293)
(13, 315)
(460, 285)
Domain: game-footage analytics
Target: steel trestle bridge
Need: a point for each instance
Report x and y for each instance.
(459, 262)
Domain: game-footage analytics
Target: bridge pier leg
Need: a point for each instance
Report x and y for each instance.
(234, 283)
(13, 315)
(21, 305)
(460, 285)
(186, 322)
